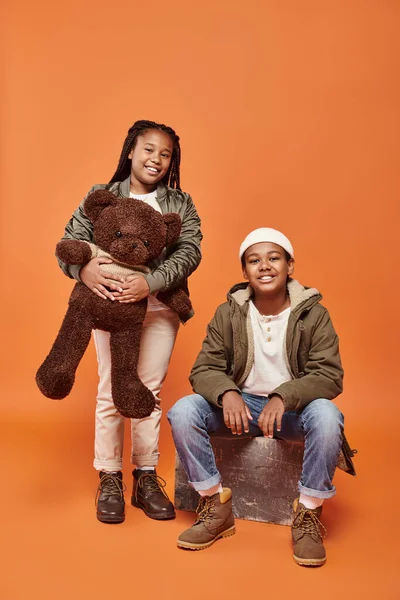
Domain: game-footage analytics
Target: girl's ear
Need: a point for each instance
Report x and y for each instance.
(291, 267)
(96, 202)
(174, 224)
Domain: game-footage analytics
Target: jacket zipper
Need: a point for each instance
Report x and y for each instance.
(299, 328)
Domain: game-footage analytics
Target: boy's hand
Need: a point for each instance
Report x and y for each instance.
(236, 412)
(134, 289)
(271, 412)
(97, 280)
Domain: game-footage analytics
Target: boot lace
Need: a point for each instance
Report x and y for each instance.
(308, 523)
(110, 485)
(205, 510)
(151, 482)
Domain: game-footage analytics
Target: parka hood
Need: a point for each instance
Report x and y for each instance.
(301, 298)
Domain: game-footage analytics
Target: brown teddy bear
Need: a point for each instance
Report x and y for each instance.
(132, 233)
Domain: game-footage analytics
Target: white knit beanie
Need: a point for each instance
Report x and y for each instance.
(266, 234)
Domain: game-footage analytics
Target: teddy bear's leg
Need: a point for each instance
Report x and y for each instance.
(56, 376)
(177, 300)
(131, 397)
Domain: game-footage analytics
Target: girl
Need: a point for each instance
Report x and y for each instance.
(148, 169)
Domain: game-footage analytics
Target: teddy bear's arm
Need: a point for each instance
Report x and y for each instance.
(74, 252)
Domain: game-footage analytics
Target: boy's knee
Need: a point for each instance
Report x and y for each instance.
(326, 416)
(183, 410)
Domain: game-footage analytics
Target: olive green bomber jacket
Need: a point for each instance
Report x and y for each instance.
(183, 257)
(311, 353)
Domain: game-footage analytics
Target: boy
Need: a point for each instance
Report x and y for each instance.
(269, 366)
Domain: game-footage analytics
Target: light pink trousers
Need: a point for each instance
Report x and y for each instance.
(160, 329)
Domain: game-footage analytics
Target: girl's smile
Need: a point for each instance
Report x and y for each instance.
(152, 169)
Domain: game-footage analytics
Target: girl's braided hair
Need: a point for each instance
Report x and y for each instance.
(172, 177)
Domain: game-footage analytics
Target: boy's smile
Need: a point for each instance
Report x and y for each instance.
(266, 278)
(266, 268)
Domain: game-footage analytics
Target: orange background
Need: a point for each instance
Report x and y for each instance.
(288, 114)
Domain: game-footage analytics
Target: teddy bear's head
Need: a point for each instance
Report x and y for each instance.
(130, 230)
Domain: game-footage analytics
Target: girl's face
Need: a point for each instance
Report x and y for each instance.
(151, 158)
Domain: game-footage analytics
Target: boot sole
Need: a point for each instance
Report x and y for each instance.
(156, 516)
(111, 520)
(190, 546)
(309, 562)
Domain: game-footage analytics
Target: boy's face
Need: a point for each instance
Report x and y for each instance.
(266, 268)
(151, 157)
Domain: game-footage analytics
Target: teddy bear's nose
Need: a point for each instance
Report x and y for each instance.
(134, 245)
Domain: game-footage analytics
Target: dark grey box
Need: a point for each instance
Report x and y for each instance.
(262, 474)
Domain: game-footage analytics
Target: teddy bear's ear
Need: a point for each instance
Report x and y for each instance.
(173, 223)
(96, 202)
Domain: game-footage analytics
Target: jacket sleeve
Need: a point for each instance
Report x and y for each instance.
(209, 376)
(185, 256)
(323, 372)
(78, 228)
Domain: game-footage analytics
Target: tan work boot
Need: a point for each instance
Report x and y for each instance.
(308, 547)
(214, 520)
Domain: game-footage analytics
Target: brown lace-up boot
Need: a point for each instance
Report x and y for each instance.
(149, 495)
(308, 547)
(110, 498)
(214, 521)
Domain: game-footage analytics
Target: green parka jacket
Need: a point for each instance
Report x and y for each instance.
(311, 353)
(183, 257)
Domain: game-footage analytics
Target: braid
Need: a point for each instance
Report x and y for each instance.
(172, 177)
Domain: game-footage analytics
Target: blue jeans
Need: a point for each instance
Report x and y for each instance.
(319, 425)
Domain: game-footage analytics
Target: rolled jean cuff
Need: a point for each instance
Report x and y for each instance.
(316, 493)
(108, 465)
(145, 460)
(207, 484)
